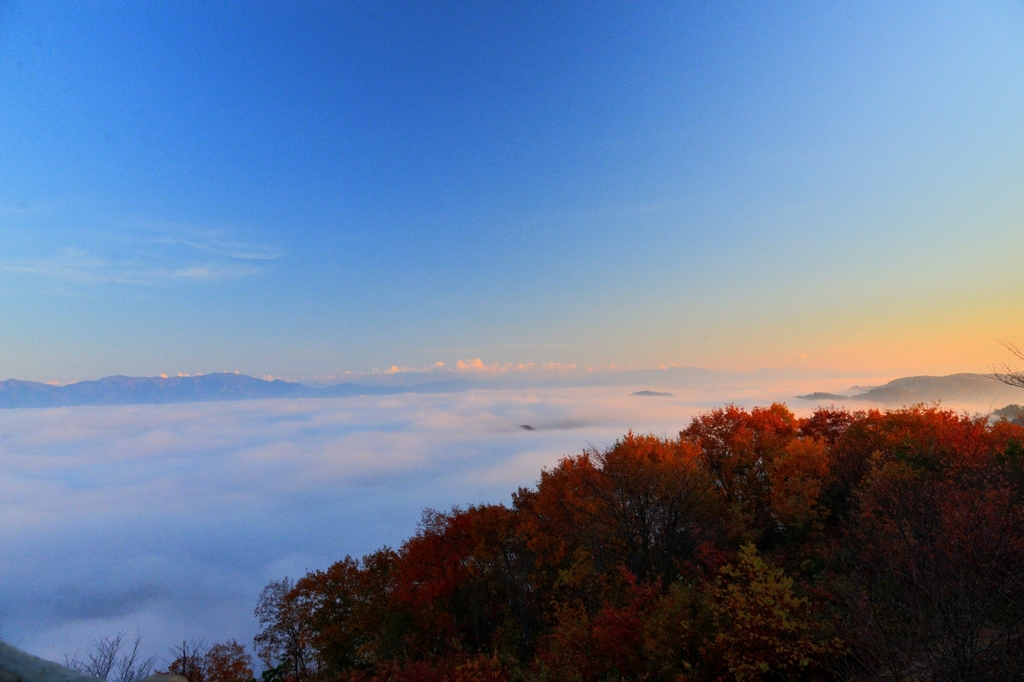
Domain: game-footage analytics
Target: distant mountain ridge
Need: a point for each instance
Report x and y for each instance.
(122, 390)
(965, 388)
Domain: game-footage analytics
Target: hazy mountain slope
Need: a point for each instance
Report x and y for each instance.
(955, 388)
(15, 393)
(1013, 413)
(122, 390)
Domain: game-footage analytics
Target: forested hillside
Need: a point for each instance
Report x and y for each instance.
(755, 546)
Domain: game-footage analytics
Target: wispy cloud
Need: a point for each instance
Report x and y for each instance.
(141, 253)
(217, 242)
(476, 365)
(81, 267)
(212, 242)
(71, 265)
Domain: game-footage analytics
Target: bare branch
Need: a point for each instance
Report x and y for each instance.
(189, 660)
(1008, 375)
(107, 661)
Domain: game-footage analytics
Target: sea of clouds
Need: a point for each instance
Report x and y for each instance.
(168, 520)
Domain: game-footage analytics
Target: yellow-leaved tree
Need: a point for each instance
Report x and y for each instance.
(761, 625)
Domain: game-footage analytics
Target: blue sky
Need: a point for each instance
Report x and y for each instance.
(301, 189)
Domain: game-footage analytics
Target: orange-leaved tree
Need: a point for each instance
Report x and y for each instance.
(738, 449)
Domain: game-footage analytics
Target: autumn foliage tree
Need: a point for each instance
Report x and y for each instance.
(221, 662)
(762, 626)
(937, 551)
(753, 546)
(284, 644)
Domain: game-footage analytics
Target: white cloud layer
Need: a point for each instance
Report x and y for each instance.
(169, 519)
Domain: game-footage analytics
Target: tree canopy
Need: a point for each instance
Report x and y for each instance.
(752, 546)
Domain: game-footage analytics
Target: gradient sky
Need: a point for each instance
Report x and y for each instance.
(301, 189)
